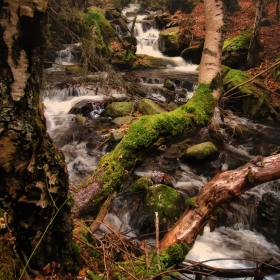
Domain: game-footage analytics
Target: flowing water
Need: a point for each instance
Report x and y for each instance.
(236, 239)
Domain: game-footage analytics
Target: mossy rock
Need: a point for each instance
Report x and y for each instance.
(234, 52)
(148, 107)
(169, 41)
(172, 106)
(169, 84)
(252, 99)
(123, 120)
(143, 61)
(192, 54)
(116, 136)
(74, 69)
(164, 200)
(141, 184)
(202, 151)
(118, 109)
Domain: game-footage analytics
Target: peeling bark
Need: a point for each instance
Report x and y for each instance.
(33, 176)
(221, 189)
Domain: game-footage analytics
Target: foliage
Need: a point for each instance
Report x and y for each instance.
(177, 253)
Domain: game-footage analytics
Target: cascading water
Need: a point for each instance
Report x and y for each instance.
(233, 240)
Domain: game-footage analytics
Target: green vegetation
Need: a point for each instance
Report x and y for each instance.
(191, 202)
(240, 42)
(144, 133)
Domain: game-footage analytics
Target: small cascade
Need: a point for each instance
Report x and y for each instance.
(70, 55)
(147, 36)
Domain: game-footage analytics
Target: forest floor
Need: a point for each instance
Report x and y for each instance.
(269, 37)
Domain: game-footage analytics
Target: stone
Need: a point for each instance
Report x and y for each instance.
(201, 151)
(148, 107)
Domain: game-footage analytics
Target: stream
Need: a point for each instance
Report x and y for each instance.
(237, 237)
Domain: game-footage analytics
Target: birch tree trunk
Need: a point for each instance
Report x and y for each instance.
(255, 36)
(215, 20)
(33, 176)
(210, 67)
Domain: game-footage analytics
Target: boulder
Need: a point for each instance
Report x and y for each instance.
(169, 41)
(202, 151)
(162, 199)
(118, 109)
(148, 107)
(252, 99)
(234, 51)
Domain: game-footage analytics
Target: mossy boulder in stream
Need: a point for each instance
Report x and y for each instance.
(169, 41)
(201, 151)
(252, 99)
(148, 107)
(162, 199)
(118, 109)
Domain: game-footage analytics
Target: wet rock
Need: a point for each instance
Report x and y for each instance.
(192, 54)
(148, 107)
(268, 219)
(118, 109)
(201, 151)
(162, 199)
(123, 120)
(168, 41)
(116, 136)
(81, 119)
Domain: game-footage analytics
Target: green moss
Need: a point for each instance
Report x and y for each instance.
(218, 213)
(238, 43)
(177, 253)
(141, 184)
(93, 276)
(76, 248)
(115, 166)
(191, 202)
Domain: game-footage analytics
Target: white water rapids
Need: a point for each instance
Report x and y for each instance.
(223, 242)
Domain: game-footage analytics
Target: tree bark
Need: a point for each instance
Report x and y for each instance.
(221, 189)
(33, 176)
(215, 20)
(255, 35)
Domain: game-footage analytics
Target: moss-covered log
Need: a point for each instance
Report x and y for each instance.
(116, 166)
(33, 180)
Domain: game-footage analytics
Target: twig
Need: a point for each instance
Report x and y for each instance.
(232, 89)
(157, 237)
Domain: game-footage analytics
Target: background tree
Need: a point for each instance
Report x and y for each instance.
(33, 176)
(251, 57)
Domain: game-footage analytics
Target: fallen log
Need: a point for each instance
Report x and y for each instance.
(221, 189)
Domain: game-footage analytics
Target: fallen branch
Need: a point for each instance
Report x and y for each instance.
(222, 188)
(250, 80)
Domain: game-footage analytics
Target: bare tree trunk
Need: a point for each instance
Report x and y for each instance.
(221, 189)
(255, 36)
(215, 20)
(33, 176)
